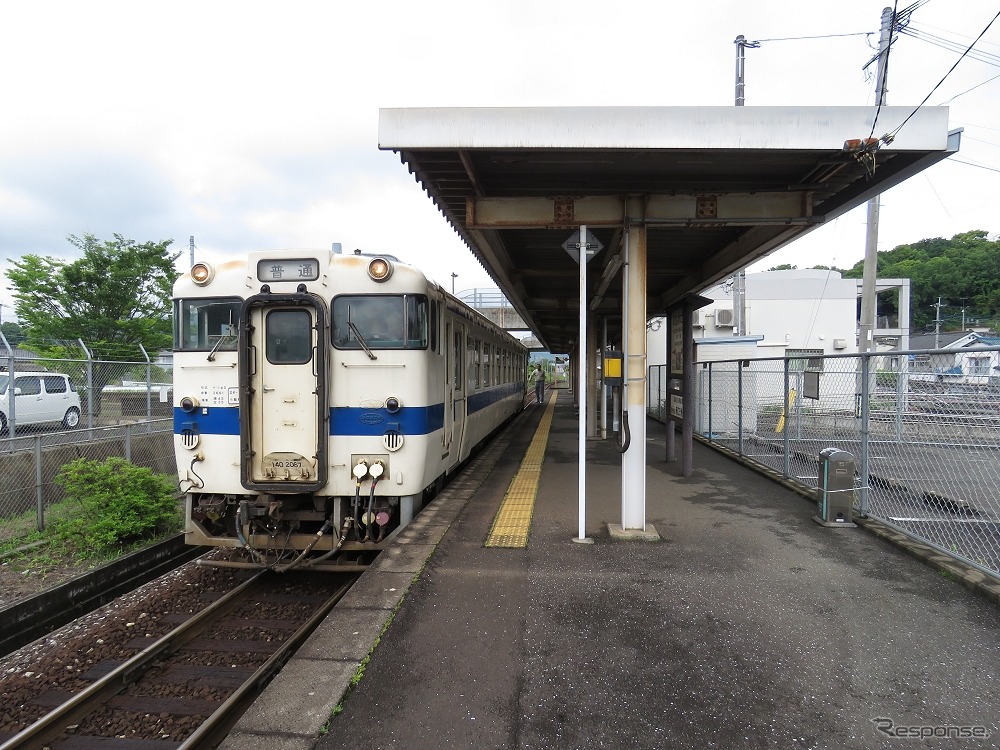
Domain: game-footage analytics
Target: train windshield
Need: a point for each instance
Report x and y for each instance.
(206, 324)
(390, 321)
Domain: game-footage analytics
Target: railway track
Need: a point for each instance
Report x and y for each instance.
(31, 618)
(186, 687)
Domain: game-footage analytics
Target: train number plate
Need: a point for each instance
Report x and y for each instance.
(287, 466)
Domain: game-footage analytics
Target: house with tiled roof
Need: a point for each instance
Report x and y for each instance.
(971, 358)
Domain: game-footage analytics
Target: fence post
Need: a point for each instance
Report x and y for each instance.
(90, 389)
(865, 433)
(901, 388)
(711, 435)
(739, 403)
(39, 495)
(149, 384)
(787, 462)
(128, 441)
(10, 386)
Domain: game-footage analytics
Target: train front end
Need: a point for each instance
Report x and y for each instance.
(290, 406)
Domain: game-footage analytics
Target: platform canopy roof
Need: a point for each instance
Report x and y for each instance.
(715, 187)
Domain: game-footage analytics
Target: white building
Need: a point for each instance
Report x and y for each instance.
(810, 311)
(803, 314)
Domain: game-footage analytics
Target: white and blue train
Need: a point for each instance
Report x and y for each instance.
(320, 399)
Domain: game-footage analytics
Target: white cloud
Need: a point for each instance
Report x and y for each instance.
(254, 124)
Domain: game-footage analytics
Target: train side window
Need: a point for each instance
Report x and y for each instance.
(416, 322)
(459, 358)
(477, 356)
(434, 326)
(487, 365)
(288, 337)
(206, 324)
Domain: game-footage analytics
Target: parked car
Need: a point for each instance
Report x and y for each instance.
(39, 397)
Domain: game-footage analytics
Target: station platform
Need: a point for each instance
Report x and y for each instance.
(746, 626)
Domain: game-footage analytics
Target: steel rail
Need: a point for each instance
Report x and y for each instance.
(54, 723)
(214, 729)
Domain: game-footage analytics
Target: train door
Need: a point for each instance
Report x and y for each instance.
(283, 414)
(454, 405)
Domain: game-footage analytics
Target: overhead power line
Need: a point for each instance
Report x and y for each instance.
(952, 46)
(798, 38)
(889, 136)
(983, 83)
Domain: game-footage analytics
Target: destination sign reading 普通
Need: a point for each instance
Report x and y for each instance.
(288, 269)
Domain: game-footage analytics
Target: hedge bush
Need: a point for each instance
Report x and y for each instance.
(114, 503)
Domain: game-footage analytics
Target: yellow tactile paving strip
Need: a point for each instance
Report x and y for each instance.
(513, 520)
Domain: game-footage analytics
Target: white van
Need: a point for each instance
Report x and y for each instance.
(39, 397)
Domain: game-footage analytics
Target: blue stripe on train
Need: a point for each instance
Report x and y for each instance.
(348, 420)
(411, 420)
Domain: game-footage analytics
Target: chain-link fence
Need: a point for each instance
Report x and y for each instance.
(926, 439)
(53, 411)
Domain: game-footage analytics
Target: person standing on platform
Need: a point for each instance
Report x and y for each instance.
(539, 384)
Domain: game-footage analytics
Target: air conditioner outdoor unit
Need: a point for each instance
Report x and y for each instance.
(696, 319)
(723, 318)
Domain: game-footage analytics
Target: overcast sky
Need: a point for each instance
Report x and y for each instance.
(253, 125)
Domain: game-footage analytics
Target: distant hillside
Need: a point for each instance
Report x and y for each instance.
(963, 271)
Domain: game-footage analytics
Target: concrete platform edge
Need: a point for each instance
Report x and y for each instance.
(283, 718)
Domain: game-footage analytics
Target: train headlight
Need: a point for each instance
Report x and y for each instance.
(189, 404)
(380, 269)
(202, 273)
(392, 404)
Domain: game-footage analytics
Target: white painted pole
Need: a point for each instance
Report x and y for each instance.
(581, 360)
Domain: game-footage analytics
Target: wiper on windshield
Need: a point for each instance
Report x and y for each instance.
(361, 339)
(219, 343)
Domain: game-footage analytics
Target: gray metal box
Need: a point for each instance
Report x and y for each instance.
(835, 490)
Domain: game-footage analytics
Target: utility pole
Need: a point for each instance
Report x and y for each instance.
(739, 279)
(866, 329)
(937, 325)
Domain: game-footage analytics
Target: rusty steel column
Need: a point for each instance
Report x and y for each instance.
(634, 459)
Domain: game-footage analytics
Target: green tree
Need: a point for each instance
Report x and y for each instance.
(114, 298)
(12, 332)
(963, 271)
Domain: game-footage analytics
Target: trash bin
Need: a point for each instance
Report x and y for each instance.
(835, 490)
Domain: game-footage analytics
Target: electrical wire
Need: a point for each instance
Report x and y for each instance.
(797, 38)
(889, 136)
(988, 80)
(955, 160)
(951, 46)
